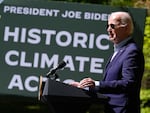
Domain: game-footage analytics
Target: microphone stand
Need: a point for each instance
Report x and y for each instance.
(52, 73)
(54, 76)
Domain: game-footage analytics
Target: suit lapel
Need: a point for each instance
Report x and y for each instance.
(110, 63)
(118, 54)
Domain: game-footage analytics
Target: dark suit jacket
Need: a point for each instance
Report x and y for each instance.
(123, 75)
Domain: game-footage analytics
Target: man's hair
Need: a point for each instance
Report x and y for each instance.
(125, 19)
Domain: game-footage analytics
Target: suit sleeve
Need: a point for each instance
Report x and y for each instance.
(129, 74)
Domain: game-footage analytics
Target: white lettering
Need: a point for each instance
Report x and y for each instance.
(28, 83)
(34, 37)
(62, 35)
(48, 34)
(11, 54)
(70, 63)
(61, 38)
(82, 61)
(23, 61)
(96, 65)
(96, 16)
(16, 82)
(80, 39)
(99, 42)
(8, 33)
(45, 60)
(72, 14)
(31, 11)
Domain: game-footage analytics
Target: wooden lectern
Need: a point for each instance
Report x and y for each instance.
(64, 98)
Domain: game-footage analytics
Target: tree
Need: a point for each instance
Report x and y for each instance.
(146, 47)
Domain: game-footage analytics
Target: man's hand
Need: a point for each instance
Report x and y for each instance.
(76, 84)
(87, 82)
(84, 83)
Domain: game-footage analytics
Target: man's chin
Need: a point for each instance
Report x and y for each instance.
(112, 39)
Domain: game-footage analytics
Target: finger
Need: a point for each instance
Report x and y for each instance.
(74, 84)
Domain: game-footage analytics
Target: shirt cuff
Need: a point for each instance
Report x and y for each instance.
(96, 83)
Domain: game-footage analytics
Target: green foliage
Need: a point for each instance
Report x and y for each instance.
(146, 47)
(85, 1)
(121, 3)
(145, 110)
(145, 100)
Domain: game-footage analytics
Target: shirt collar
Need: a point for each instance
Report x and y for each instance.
(122, 43)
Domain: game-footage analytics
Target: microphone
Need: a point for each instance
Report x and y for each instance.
(61, 65)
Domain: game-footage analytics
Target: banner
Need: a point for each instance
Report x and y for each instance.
(36, 36)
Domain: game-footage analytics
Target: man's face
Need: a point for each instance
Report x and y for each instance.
(115, 30)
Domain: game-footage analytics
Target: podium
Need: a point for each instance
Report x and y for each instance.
(64, 98)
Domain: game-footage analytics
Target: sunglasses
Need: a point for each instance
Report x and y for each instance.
(112, 26)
